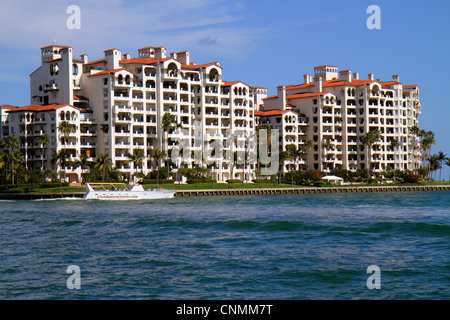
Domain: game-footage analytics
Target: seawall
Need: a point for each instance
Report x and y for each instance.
(249, 191)
(230, 192)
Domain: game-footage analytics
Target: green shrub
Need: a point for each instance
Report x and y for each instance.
(155, 181)
(234, 181)
(53, 184)
(200, 180)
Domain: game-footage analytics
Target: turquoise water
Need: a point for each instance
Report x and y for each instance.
(314, 246)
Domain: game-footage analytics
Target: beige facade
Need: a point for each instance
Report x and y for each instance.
(118, 103)
(336, 109)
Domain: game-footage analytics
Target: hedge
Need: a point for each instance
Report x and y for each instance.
(155, 181)
(200, 180)
(53, 184)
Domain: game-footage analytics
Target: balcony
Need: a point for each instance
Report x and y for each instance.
(88, 133)
(51, 87)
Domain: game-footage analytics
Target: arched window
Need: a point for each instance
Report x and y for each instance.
(172, 70)
(214, 75)
(40, 88)
(120, 79)
(61, 115)
(127, 79)
(52, 72)
(75, 69)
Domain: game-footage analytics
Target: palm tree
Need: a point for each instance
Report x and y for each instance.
(168, 121)
(104, 164)
(327, 145)
(66, 128)
(434, 163)
(10, 145)
(137, 157)
(283, 157)
(84, 163)
(60, 158)
(157, 155)
(447, 162)
(414, 130)
(308, 146)
(441, 157)
(293, 154)
(369, 139)
(394, 145)
(43, 140)
(427, 141)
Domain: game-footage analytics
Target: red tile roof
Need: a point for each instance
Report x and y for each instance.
(39, 108)
(200, 66)
(307, 95)
(326, 65)
(275, 112)
(109, 72)
(143, 60)
(7, 106)
(57, 59)
(150, 48)
(271, 97)
(54, 45)
(413, 86)
(95, 62)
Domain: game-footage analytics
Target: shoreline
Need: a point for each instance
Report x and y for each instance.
(243, 191)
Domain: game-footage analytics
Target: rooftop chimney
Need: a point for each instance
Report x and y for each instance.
(318, 84)
(345, 75)
(371, 76)
(356, 75)
(183, 57)
(307, 78)
(281, 92)
(85, 58)
(395, 77)
(127, 56)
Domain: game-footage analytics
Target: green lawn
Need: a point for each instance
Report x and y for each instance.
(206, 186)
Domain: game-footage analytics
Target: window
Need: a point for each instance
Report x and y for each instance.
(74, 69)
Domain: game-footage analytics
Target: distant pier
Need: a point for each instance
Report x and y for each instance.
(237, 192)
(255, 191)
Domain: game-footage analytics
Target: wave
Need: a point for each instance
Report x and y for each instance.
(270, 226)
(57, 199)
(418, 228)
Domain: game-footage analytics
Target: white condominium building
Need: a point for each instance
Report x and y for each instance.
(117, 104)
(334, 110)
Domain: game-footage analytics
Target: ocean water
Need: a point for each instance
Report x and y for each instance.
(278, 247)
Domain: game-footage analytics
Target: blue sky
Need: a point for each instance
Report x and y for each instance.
(263, 43)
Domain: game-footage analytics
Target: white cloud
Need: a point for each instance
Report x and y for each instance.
(125, 24)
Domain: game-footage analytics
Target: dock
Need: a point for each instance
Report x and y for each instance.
(306, 190)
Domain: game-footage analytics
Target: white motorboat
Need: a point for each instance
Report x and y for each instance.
(119, 191)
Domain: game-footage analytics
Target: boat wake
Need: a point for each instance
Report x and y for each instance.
(57, 199)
